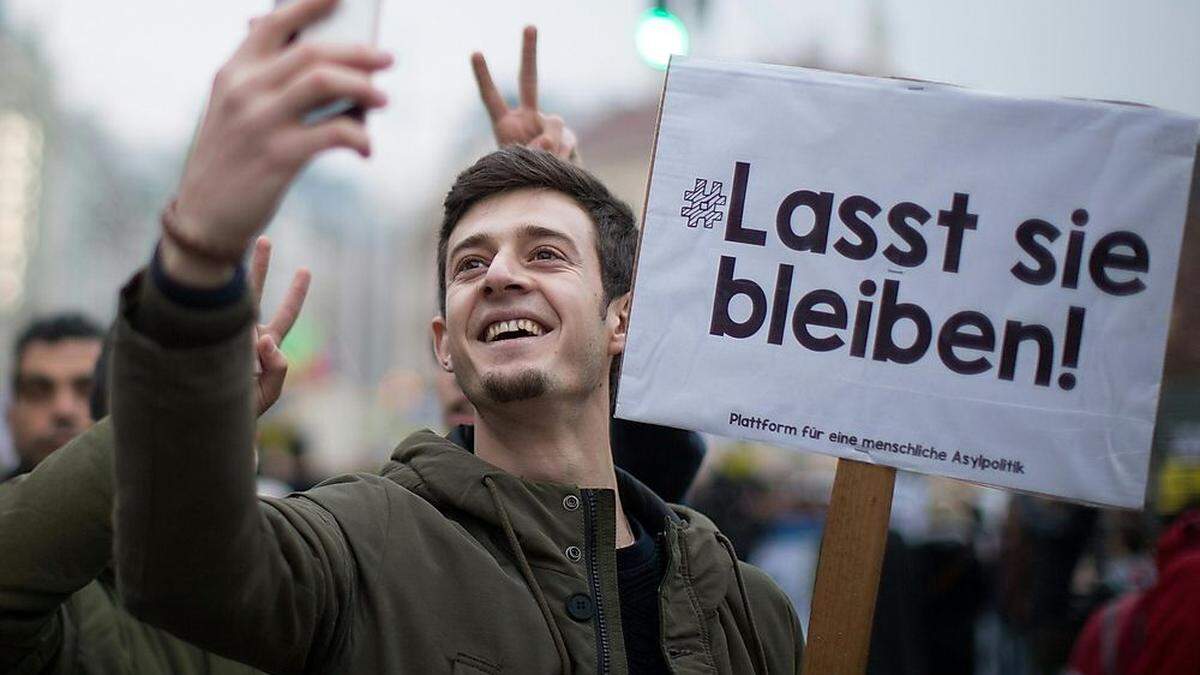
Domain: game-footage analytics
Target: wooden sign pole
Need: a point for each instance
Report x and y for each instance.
(852, 546)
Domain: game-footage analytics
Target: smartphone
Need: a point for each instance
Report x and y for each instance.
(350, 22)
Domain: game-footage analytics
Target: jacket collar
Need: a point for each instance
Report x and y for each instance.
(645, 505)
(451, 477)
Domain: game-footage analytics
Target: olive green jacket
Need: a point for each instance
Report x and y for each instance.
(440, 563)
(58, 607)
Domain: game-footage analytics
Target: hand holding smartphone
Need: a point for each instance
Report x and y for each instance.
(350, 22)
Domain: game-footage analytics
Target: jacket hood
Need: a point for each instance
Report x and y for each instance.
(453, 479)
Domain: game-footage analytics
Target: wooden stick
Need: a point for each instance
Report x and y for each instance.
(852, 545)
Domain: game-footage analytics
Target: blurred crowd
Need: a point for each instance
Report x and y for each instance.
(974, 580)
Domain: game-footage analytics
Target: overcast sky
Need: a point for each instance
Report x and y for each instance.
(142, 67)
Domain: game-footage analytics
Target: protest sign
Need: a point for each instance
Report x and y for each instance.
(910, 274)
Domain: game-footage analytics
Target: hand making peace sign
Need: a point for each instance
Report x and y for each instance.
(271, 366)
(524, 124)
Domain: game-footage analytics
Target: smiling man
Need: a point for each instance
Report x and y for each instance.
(531, 554)
(529, 325)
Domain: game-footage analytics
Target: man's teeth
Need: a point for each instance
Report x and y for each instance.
(512, 326)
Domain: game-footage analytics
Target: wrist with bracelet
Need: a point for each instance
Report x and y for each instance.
(217, 256)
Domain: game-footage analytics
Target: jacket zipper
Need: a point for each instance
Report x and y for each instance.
(602, 649)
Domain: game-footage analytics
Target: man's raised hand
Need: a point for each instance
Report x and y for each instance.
(272, 365)
(524, 124)
(253, 139)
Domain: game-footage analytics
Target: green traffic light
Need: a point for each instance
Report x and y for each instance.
(659, 35)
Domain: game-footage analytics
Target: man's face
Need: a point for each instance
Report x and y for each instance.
(50, 401)
(524, 302)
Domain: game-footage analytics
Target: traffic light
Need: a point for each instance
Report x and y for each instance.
(660, 34)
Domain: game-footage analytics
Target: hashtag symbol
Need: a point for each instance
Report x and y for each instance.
(701, 204)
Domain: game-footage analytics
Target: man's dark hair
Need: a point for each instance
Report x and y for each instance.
(517, 168)
(55, 328)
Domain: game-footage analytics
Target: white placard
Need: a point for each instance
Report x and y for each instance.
(910, 274)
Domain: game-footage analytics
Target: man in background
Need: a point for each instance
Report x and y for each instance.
(52, 379)
(59, 607)
(1155, 631)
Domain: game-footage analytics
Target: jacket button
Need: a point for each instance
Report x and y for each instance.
(570, 502)
(574, 553)
(580, 607)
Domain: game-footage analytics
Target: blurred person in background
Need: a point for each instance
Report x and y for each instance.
(949, 581)
(1042, 544)
(1153, 625)
(59, 607)
(51, 381)
(735, 494)
(284, 457)
(1155, 631)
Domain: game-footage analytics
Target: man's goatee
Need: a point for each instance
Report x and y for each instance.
(524, 385)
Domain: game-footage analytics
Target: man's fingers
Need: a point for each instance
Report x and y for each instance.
(492, 100)
(260, 262)
(289, 309)
(296, 147)
(570, 147)
(274, 371)
(553, 125)
(528, 75)
(304, 55)
(269, 354)
(325, 83)
(551, 138)
(556, 138)
(341, 132)
(274, 30)
(273, 360)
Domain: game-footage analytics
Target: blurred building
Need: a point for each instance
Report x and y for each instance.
(73, 204)
(25, 108)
